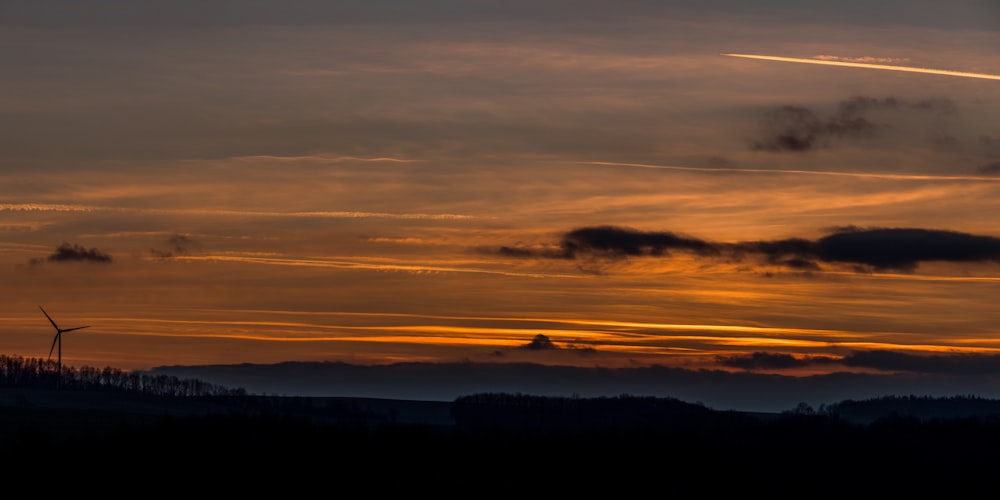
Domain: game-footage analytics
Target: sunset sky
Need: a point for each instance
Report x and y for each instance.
(578, 183)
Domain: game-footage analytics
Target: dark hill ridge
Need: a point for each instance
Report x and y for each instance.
(507, 442)
(720, 390)
(484, 410)
(34, 384)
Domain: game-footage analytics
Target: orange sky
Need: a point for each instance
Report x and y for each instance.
(398, 188)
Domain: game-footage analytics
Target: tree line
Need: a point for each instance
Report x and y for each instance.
(26, 372)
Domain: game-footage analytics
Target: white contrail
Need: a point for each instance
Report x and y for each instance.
(870, 66)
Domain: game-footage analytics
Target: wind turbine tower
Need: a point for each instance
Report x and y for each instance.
(57, 340)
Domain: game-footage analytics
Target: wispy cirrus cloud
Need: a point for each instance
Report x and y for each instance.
(342, 214)
(362, 264)
(322, 159)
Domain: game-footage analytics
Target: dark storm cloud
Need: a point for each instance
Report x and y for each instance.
(75, 253)
(620, 242)
(963, 364)
(614, 242)
(509, 251)
(797, 128)
(905, 248)
(899, 249)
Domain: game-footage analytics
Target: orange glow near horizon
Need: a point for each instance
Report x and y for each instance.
(644, 343)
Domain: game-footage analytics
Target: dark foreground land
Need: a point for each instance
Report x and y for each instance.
(498, 444)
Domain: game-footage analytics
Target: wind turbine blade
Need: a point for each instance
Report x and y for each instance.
(54, 340)
(49, 317)
(71, 329)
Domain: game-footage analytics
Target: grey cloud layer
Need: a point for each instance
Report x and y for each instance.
(430, 78)
(958, 364)
(772, 361)
(899, 249)
(966, 14)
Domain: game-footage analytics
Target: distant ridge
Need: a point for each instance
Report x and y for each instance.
(446, 381)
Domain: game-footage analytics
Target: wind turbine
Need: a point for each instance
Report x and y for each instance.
(58, 340)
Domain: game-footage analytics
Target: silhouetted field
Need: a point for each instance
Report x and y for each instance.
(492, 443)
(506, 442)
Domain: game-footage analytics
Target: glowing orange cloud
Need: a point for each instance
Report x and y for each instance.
(870, 66)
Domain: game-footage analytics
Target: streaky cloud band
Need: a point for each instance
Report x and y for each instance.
(46, 207)
(739, 170)
(345, 264)
(324, 158)
(828, 62)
